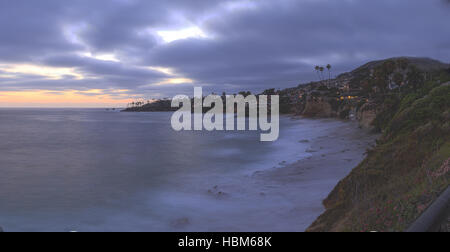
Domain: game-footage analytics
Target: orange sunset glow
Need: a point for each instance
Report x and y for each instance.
(72, 98)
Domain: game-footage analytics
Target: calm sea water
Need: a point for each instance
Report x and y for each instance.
(97, 170)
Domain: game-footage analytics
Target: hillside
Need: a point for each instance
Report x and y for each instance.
(361, 93)
(406, 171)
(424, 64)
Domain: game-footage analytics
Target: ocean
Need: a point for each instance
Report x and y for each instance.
(98, 170)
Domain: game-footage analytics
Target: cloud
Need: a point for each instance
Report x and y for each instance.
(160, 48)
(283, 42)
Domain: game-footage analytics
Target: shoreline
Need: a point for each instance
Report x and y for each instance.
(284, 198)
(334, 156)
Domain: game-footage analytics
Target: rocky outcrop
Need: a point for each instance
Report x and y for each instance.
(367, 115)
(318, 108)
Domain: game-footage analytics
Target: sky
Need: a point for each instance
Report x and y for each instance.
(106, 53)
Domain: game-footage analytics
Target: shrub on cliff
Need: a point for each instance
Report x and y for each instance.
(400, 177)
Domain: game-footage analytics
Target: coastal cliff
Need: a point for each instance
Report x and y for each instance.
(363, 93)
(408, 101)
(318, 108)
(367, 115)
(403, 175)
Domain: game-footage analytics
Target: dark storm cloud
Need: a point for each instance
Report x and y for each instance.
(251, 45)
(35, 28)
(106, 69)
(30, 28)
(272, 41)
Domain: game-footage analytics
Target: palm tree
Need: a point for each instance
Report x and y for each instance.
(321, 69)
(317, 68)
(329, 71)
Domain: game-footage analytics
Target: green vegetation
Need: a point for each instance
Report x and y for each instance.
(406, 171)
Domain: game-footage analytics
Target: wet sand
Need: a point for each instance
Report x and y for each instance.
(333, 158)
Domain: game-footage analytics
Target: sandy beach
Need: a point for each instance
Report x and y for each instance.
(333, 158)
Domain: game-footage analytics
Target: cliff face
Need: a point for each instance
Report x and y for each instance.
(404, 99)
(318, 108)
(366, 115)
(403, 174)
